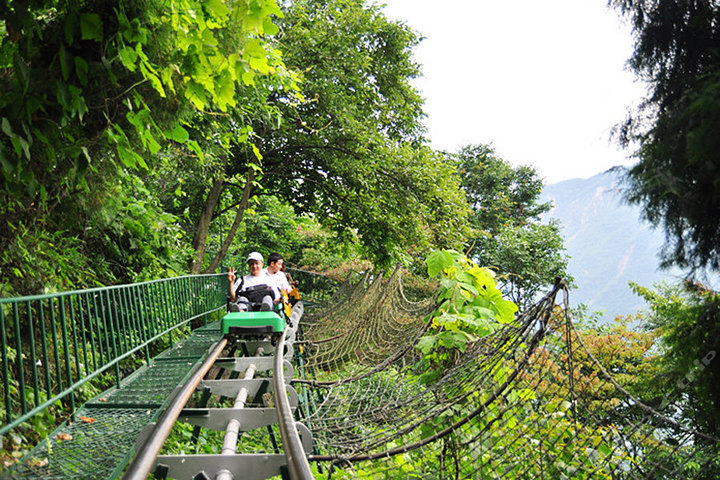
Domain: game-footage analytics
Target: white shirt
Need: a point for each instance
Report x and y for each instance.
(251, 280)
(280, 280)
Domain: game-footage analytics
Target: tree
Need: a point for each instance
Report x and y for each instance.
(506, 210)
(529, 257)
(91, 89)
(675, 127)
(499, 194)
(687, 319)
(350, 151)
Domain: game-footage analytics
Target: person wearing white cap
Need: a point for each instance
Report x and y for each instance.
(254, 288)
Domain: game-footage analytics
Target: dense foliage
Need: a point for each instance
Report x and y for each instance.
(350, 152)
(469, 307)
(506, 214)
(687, 319)
(677, 54)
(137, 137)
(94, 94)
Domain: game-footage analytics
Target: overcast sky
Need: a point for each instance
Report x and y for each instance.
(544, 81)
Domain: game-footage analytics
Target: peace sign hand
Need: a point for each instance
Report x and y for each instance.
(231, 275)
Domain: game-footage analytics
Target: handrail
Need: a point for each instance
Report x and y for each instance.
(309, 272)
(52, 344)
(108, 287)
(313, 285)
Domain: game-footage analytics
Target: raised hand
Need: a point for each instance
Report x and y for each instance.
(231, 275)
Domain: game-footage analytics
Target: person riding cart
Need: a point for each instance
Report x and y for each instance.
(255, 291)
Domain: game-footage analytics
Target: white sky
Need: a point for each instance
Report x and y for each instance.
(543, 81)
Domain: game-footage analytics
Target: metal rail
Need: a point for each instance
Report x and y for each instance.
(141, 465)
(229, 464)
(297, 459)
(50, 345)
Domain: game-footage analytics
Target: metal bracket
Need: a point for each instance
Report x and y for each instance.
(218, 418)
(305, 437)
(246, 466)
(253, 345)
(240, 364)
(230, 388)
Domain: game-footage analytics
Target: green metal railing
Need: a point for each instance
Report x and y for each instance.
(313, 286)
(53, 344)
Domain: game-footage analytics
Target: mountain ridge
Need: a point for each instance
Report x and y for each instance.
(608, 243)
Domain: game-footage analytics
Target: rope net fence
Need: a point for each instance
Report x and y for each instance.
(531, 400)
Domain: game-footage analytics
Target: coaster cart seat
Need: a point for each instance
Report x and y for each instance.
(255, 324)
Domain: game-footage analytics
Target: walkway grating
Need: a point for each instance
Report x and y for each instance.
(101, 440)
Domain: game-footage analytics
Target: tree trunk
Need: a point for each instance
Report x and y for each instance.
(236, 223)
(203, 226)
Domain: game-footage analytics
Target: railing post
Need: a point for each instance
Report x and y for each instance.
(56, 353)
(76, 348)
(33, 356)
(168, 309)
(68, 373)
(46, 362)
(107, 320)
(19, 360)
(101, 332)
(5, 369)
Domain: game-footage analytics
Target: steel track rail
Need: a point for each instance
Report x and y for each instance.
(144, 461)
(295, 454)
(298, 465)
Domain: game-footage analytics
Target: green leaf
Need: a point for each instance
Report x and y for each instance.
(438, 261)
(254, 48)
(217, 8)
(269, 27)
(179, 134)
(248, 77)
(260, 65)
(225, 93)
(426, 344)
(167, 78)
(64, 61)
(70, 27)
(457, 340)
(152, 144)
(91, 27)
(147, 71)
(81, 70)
(130, 158)
(127, 156)
(22, 72)
(256, 151)
(128, 57)
(208, 38)
(7, 166)
(6, 128)
(196, 94)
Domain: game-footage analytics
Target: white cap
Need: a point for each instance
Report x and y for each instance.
(255, 256)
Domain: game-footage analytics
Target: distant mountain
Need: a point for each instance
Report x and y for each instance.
(608, 244)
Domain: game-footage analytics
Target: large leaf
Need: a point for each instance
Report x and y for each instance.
(439, 261)
(91, 27)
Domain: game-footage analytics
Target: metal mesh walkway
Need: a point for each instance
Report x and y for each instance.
(100, 441)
